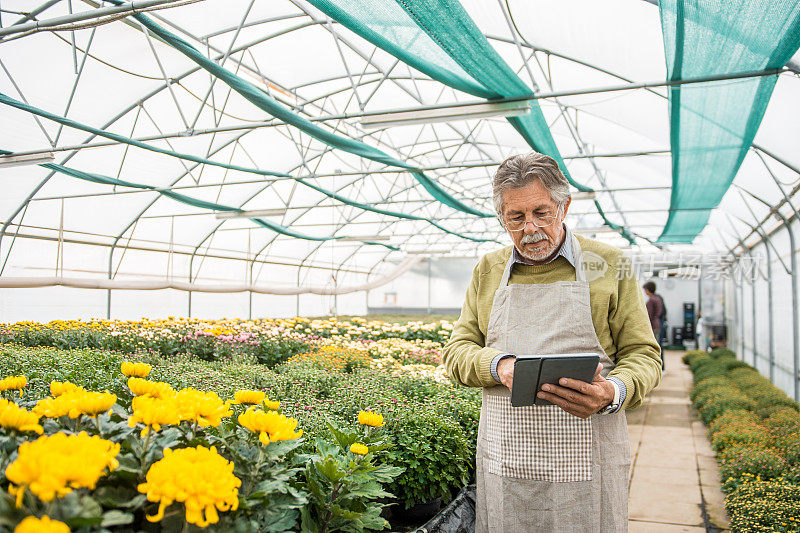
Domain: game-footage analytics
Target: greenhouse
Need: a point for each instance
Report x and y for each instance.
(276, 265)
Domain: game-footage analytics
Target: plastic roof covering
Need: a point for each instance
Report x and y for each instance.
(322, 70)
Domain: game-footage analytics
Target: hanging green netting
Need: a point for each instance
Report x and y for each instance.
(456, 33)
(712, 125)
(444, 43)
(388, 27)
(449, 46)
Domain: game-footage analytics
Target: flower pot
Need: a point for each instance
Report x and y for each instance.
(418, 512)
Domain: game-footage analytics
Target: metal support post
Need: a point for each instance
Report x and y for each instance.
(755, 338)
(429, 285)
(770, 318)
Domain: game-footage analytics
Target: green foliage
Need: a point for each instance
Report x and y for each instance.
(272, 352)
(710, 368)
(344, 487)
(697, 361)
(99, 370)
(755, 428)
(701, 386)
(790, 447)
(269, 499)
(420, 439)
(720, 353)
(689, 356)
(714, 407)
(764, 463)
(314, 396)
(783, 424)
(426, 416)
(764, 506)
(740, 433)
(326, 489)
(768, 410)
(734, 416)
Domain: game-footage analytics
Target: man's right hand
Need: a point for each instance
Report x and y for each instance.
(505, 370)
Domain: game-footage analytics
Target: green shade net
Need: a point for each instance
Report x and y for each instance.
(265, 102)
(712, 125)
(438, 38)
(387, 26)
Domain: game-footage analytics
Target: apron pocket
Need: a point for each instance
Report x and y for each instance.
(537, 442)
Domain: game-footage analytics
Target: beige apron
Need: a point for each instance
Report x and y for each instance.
(540, 468)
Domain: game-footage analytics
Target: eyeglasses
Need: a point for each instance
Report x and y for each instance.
(518, 223)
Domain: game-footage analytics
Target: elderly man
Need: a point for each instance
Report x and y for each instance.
(560, 467)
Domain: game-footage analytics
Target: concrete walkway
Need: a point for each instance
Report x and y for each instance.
(674, 483)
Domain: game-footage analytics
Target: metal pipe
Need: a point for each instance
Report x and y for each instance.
(44, 25)
(770, 318)
(741, 324)
(575, 92)
(755, 338)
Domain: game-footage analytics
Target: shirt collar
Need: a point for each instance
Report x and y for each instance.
(564, 251)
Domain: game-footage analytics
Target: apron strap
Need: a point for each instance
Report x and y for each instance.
(577, 257)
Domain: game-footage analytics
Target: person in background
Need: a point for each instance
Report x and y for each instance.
(662, 339)
(699, 329)
(655, 309)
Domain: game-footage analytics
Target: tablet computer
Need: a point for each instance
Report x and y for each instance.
(533, 371)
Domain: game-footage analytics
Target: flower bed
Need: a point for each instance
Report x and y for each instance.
(267, 341)
(321, 385)
(755, 429)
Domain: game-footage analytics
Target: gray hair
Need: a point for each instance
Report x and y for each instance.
(522, 169)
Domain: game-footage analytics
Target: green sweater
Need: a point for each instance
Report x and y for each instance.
(618, 314)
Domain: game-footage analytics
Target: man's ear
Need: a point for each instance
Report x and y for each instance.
(566, 205)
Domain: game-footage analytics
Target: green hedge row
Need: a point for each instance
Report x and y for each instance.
(755, 430)
(423, 417)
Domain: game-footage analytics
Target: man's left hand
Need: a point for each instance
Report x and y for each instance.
(578, 397)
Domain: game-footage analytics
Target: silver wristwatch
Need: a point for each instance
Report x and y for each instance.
(614, 405)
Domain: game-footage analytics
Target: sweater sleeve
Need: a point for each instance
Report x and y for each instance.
(638, 356)
(465, 355)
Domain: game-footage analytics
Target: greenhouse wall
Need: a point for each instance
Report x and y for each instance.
(748, 309)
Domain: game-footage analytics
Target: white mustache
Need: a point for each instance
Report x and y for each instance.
(531, 239)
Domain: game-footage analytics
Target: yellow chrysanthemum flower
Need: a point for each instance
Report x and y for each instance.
(59, 406)
(94, 403)
(13, 383)
(31, 524)
(57, 388)
(270, 425)
(273, 405)
(205, 408)
(156, 389)
(52, 466)
(368, 418)
(15, 417)
(136, 370)
(249, 396)
(154, 412)
(359, 448)
(198, 477)
(75, 403)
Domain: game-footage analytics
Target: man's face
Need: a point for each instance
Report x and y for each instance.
(533, 202)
